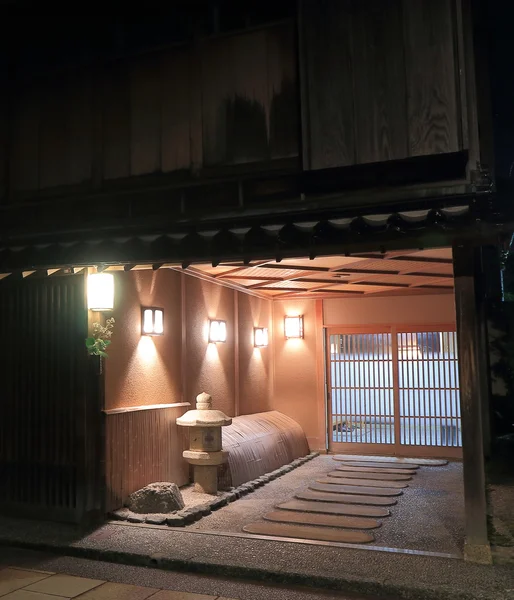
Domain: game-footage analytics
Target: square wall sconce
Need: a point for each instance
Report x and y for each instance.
(293, 327)
(152, 321)
(100, 291)
(260, 337)
(217, 331)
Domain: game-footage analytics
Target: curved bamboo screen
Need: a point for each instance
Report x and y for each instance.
(260, 443)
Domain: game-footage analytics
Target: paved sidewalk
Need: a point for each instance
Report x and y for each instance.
(28, 584)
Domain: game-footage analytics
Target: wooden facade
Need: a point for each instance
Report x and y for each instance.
(234, 132)
(51, 424)
(335, 105)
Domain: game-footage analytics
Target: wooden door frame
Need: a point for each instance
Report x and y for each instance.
(396, 449)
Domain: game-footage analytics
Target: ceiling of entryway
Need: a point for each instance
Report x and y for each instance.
(370, 274)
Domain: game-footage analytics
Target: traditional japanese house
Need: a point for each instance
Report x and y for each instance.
(329, 160)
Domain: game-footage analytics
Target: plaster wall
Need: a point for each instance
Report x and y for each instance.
(209, 367)
(143, 370)
(255, 364)
(177, 366)
(406, 310)
(298, 377)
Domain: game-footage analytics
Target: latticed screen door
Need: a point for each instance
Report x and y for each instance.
(397, 390)
(361, 367)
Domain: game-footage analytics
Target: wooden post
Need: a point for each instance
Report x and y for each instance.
(471, 373)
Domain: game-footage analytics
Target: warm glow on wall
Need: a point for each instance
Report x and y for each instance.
(152, 321)
(217, 331)
(260, 337)
(100, 291)
(293, 327)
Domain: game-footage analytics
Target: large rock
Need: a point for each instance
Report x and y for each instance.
(159, 497)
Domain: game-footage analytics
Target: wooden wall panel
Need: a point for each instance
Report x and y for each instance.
(379, 81)
(116, 122)
(431, 77)
(216, 99)
(53, 140)
(4, 133)
(44, 466)
(249, 97)
(176, 111)
(145, 116)
(259, 444)
(329, 119)
(24, 161)
(142, 447)
(283, 92)
(65, 123)
(80, 129)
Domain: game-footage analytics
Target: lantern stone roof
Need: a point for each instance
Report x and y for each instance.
(204, 415)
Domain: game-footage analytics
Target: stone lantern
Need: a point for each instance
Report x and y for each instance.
(205, 450)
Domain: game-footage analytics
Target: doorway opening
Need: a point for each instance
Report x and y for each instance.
(394, 390)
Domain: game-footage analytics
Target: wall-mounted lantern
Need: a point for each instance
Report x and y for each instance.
(260, 337)
(100, 291)
(293, 327)
(217, 331)
(152, 321)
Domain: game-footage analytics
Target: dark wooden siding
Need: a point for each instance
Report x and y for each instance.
(47, 440)
(379, 80)
(229, 100)
(431, 77)
(142, 447)
(249, 97)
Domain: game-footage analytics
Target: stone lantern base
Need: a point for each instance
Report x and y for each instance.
(205, 467)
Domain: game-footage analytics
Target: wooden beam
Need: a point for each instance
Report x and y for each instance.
(239, 268)
(467, 305)
(191, 271)
(426, 259)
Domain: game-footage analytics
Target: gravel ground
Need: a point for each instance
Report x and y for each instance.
(429, 515)
(192, 498)
(501, 501)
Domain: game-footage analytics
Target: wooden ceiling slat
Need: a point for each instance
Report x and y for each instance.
(370, 274)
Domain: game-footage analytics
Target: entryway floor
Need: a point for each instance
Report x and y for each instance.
(429, 515)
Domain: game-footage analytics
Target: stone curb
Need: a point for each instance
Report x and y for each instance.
(187, 516)
(160, 561)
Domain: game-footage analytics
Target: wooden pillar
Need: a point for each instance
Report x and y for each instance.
(468, 305)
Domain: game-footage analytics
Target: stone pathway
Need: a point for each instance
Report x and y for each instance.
(362, 487)
(25, 584)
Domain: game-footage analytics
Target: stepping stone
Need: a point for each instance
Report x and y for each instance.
(330, 508)
(349, 468)
(344, 498)
(305, 532)
(397, 485)
(340, 473)
(381, 465)
(354, 489)
(303, 518)
(427, 462)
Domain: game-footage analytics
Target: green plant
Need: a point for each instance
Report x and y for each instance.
(97, 344)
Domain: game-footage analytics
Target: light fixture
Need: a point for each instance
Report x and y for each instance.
(152, 321)
(260, 337)
(293, 327)
(217, 331)
(100, 291)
